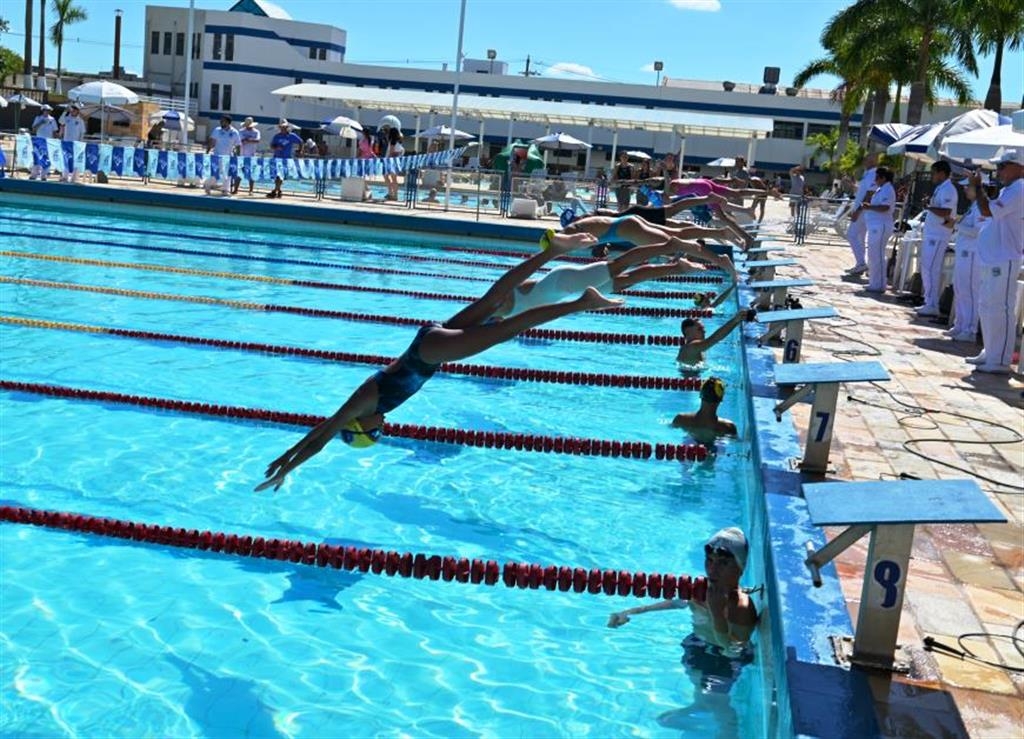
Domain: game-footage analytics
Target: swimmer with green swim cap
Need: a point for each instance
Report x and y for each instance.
(704, 425)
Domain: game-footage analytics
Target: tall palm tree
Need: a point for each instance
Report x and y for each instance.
(997, 25)
(848, 94)
(67, 13)
(937, 27)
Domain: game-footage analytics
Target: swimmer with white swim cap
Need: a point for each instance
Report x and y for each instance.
(704, 424)
(360, 420)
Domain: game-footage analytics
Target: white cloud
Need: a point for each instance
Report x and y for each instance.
(649, 67)
(571, 69)
(710, 6)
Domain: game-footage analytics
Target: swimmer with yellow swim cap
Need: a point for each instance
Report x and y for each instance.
(705, 425)
(359, 422)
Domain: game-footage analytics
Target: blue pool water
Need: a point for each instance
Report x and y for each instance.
(101, 637)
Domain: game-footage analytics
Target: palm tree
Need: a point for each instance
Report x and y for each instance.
(996, 24)
(849, 93)
(67, 13)
(937, 28)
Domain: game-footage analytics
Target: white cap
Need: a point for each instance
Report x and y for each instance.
(733, 541)
(1016, 156)
(45, 107)
(248, 120)
(283, 122)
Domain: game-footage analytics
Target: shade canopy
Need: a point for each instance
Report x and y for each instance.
(444, 132)
(725, 162)
(343, 126)
(982, 144)
(23, 100)
(103, 92)
(561, 142)
(889, 133)
(638, 155)
(172, 119)
(539, 111)
(925, 142)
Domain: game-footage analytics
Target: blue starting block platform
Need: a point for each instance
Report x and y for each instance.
(765, 269)
(888, 512)
(774, 291)
(792, 323)
(821, 381)
(757, 251)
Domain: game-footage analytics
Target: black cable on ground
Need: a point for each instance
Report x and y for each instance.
(965, 653)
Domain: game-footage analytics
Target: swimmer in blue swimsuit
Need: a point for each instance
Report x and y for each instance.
(360, 420)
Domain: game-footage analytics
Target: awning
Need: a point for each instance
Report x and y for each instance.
(536, 111)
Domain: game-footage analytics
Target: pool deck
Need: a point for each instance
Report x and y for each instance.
(964, 578)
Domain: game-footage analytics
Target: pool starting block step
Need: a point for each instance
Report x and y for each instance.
(822, 380)
(764, 269)
(792, 323)
(773, 292)
(756, 251)
(887, 511)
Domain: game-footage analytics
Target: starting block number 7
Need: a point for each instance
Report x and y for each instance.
(824, 418)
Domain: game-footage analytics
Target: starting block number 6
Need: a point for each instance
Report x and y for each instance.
(792, 351)
(888, 574)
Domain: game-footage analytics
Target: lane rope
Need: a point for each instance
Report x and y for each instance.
(624, 310)
(472, 438)
(709, 279)
(454, 368)
(418, 566)
(533, 333)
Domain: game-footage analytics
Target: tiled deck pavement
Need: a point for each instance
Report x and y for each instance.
(963, 578)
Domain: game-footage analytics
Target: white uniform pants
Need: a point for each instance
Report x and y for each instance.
(933, 251)
(966, 276)
(878, 236)
(997, 305)
(855, 236)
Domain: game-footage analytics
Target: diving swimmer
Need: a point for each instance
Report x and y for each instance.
(360, 419)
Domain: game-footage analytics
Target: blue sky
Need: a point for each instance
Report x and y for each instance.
(615, 40)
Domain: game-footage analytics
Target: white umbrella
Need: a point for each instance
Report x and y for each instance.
(982, 144)
(3, 102)
(888, 133)
(724, 162)
(23, 100)
(444, 132)
(916, 141)
(389, 121)
(561, 141)
(638, 155)
(172, 119)
(924, 143)
(102, 93)
(107, 114)
(341, 126)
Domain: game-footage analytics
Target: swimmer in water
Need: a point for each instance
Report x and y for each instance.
(360, 419)
(696, 342)
(704, 425)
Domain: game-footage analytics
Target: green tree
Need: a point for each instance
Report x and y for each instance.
(67, 13)
(848, 94)
(997, 25)
(825, 145)
(10, 63)
(5, 25)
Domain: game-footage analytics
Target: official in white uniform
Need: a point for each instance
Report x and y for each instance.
(878, 223)
(44, 126)
(966, 271)
(72, 129)
(1000, 248)
(857, 231)
(938, 228)
(224, 141)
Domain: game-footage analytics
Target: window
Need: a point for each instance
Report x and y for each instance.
(322, 54)
(193, 90)
(179, 44)
(167, 43)
(225, 100)
(217, 43)
(298, 80)
(214, 96)
(312, 52)
(197, 46)
(229, 47)
(154, 42)
(816, 128)
(788, 130)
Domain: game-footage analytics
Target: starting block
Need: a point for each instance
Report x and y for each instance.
(757, 252)
(774, 292)
(888, 512)
(822, 381)
(765, 269)
(792, 323)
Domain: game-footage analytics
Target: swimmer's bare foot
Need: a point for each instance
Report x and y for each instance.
(592, 299)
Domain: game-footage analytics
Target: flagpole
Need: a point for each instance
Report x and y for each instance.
(455, 106)
(188, 70)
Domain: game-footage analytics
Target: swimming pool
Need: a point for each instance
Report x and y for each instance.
(183, 643)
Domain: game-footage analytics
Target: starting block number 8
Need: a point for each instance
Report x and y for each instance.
(888, 574)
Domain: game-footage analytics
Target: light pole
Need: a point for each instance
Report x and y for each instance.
(491, 56)
(117, 43)
(658, 66)
(455, 105)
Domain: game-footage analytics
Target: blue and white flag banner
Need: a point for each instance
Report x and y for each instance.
(128, 161)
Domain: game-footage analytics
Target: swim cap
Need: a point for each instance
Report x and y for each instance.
(545, 240)
(733, 541)
(353, 434)
(713, 390)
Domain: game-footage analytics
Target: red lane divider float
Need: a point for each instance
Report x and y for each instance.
(377, 561)
(487, 439)
(455, 368)
(533, 333)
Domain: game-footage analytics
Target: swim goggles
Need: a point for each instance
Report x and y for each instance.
(349, 435)
(710, 551)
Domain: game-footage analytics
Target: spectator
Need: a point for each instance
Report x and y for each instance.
(309, 148)
(366, 145)
(284, 141)
(224, 141)
(155, 136)
(249, 136)
(623, 177)
(938, 227)
(72, 129)
(796, 188)
(44, 126)
(966, 270)
(878, 213)
(395, 149)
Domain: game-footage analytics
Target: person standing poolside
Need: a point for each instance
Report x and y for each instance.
(857, 231)
(696, 341)
(360, 419)
(224, 142)
(966, 271)
(44, 126)
(938, 228)
(72, 129)
(879, 225)
(282, 144)
(796, 188)
(704, 425)
(623, 177)
(365, 147)
(1000, 249)
(249, 136)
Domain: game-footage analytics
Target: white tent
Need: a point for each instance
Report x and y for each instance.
(982, 144)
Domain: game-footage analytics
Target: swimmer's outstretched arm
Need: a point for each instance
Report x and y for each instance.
(621, 618)
(722, 296)
(693, 249)
(361, 403)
